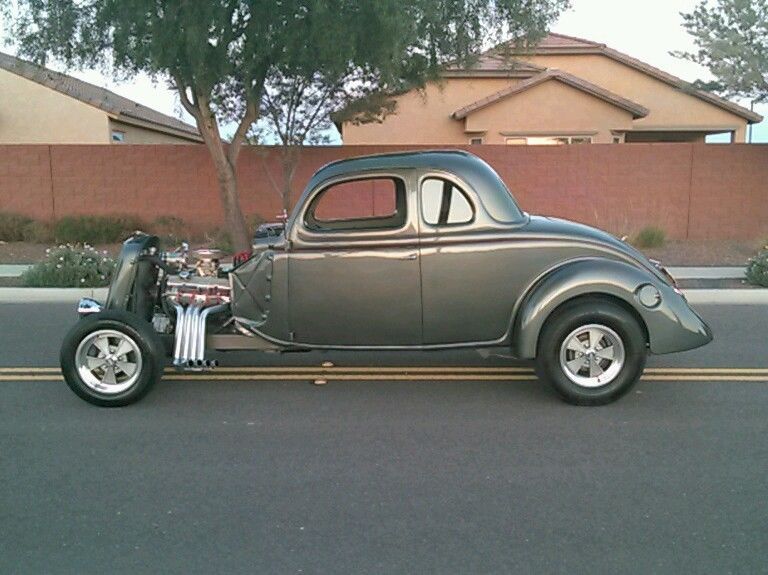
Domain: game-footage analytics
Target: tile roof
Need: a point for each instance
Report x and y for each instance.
(634, 108)
(556, 41)
(122, 108)
(494, 63)
(562, 44)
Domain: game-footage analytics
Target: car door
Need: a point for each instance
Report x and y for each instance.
(353, 266)
(464, 273)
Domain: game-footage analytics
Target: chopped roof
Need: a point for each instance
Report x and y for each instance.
(562, 44)
(122, 108)
(634, 108)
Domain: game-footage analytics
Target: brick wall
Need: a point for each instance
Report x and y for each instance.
(690, 190)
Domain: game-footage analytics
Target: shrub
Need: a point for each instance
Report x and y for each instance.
(757, 269)
(38, 232)
(171, 230)
(220, 239)
(95, 229)
(650, 237)
(71, 266)
(12, 227)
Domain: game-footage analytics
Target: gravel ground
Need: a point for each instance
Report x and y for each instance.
(705, 253)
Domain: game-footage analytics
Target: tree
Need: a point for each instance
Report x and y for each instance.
(220, 55)
(298, 111)
(732, 41)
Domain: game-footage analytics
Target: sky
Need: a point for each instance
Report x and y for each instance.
(648, 34)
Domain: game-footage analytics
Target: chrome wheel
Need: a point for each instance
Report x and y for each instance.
(592, 355)
(108, 361)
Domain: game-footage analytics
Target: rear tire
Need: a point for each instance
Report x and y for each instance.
(591, 351)
(112, 358)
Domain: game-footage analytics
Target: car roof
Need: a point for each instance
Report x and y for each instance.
(475, 171)
(403, 160)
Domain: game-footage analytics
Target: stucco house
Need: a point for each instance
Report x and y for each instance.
(565, 90)
(41, 106)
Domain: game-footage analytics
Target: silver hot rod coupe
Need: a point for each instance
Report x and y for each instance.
(418, 251)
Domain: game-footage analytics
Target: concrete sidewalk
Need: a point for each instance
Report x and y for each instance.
(753, 296)
(50, 295)
(13, 270)
(679, 272)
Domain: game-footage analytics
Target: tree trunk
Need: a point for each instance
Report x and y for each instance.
(291, 156)
(230, 202)
(224, 160)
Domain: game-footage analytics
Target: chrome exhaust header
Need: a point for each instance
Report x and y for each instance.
(189, 339)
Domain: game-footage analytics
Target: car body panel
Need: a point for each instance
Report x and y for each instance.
(492, 281)
(671, 325)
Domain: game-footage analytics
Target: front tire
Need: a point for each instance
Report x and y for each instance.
(112, 358)
(592, 352)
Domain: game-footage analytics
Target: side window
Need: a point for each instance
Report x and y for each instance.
(443, 203)
(360, 204)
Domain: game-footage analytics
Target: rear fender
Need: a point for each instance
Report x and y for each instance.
(671, 324)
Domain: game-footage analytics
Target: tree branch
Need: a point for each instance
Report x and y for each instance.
(189, 106)
(251, 115)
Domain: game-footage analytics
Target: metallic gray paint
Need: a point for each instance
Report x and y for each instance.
(671, 325)
(493, 281)
(133, 275)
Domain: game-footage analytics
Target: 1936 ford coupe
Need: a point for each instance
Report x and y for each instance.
(419, 250)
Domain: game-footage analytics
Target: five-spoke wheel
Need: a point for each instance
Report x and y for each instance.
(592, 355)
(592, 350)
(108, 361)
(112, 358)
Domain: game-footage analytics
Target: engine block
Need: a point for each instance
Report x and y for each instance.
(196, 290)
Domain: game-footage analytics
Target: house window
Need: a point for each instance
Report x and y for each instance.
(368, 203)
(548, 140)
(475, 141)
(118, 136)
(443, 203)
(617, 139)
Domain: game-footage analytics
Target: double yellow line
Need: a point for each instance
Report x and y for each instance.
(398, 373)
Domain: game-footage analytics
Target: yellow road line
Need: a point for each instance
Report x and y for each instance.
(30, 370)
(370, 369)
(52, 377)
(413, 370)
(712, 370)
(348, 377)
(705, 377)
(393, 377)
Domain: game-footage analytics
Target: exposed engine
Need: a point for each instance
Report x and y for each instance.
(195, 292)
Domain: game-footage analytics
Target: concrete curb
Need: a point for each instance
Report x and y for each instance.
(747, 296)
(50, 295)
(755, 296)
(707, 272)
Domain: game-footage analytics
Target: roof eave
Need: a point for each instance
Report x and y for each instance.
(638, 111)
(682, 85)
(125, 119)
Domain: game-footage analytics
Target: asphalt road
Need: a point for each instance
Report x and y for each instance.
(386, 476)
